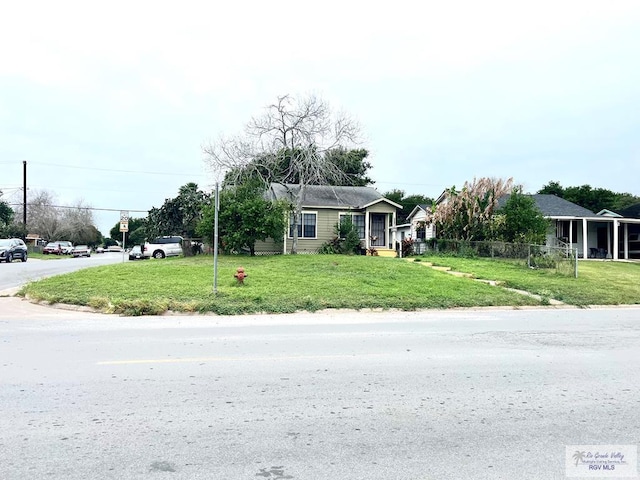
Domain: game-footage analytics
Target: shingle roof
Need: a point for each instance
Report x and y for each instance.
(553, 206)
(327, 196)
(631, 212)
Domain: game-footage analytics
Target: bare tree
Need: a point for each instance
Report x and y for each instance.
(287, 144)
(54, 222)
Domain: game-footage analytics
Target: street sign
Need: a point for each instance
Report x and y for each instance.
(124, 216)
(124, 226)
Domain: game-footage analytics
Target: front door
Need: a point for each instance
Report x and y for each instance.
(602, 235)
(378, 229)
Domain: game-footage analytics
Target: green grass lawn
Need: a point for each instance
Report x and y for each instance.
(598, 282)
(275, 284)
(283, 284)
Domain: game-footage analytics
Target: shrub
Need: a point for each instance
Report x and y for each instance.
(346, 241)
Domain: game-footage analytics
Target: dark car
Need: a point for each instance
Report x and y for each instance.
(12, 249)
(136, 253)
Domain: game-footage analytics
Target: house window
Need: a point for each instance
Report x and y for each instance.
(358, 221)
(306, 225)
(421, 232)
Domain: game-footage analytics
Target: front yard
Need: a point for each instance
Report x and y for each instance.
(283, 284)
(598, 282)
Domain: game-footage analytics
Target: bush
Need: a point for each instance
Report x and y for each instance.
(346, 241)
(407, 247)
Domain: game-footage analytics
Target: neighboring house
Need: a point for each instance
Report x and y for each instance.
(416, 229)
(633, 229)
(603, 235)
(34, 240)
(324, 206)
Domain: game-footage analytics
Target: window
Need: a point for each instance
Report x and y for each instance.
(358, 221)
(306, 225)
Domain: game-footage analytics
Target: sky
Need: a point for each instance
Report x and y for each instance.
(109, 103)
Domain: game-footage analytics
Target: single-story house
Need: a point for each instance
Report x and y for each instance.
(323, 206)
(416, 229)
(633, 229)
(595, 235)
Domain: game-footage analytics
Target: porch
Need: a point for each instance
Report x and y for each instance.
(601, 237)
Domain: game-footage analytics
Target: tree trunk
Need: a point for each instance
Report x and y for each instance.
(297, 217)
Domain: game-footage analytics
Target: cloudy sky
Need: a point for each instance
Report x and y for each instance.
(110, 102)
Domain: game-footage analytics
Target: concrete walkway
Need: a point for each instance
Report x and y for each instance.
(493, 283)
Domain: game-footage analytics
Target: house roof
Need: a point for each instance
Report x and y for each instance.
(631, 212)
(608, 213)
(553, 206)
(422, 206)
(328, 196)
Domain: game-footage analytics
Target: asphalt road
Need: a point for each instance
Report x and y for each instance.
(16, 274)
(488, 394)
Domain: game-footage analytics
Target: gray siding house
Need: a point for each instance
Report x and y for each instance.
(324, 206)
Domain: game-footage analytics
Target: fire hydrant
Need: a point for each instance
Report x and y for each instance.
(240, 275)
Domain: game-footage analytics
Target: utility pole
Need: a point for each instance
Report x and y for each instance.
(24, 195)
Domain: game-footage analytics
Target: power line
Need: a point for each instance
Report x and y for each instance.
(118, 170)
(83, 208)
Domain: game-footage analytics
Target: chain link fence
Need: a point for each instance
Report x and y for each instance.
(561, 259)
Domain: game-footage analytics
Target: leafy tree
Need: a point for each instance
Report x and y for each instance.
(179, 215)
(351, 162)
(6, 213)
(594, 199)
(88, 236)
(552, 188)
(6, 217)
(466, 214)
(408, 203)
(136, 234)
(520, 220)
(295, 133)
(244, 218)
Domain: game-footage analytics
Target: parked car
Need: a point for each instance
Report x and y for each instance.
(160, 247)
(11, 249)
(136, 253)
(114, 248)
(99, 250)
(81, 251)
(53, 248)
(66, 246)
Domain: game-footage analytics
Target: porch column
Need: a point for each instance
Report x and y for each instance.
(367, 232)
(616, 235)
(609, 241)
(585, 250)
(570, 233)
(393, 237)
(626, 241)
(395, 230)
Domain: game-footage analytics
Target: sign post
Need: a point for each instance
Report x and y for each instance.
(124, 228)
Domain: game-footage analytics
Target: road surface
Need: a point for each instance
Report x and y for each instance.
(16, 274)
(467, 394)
